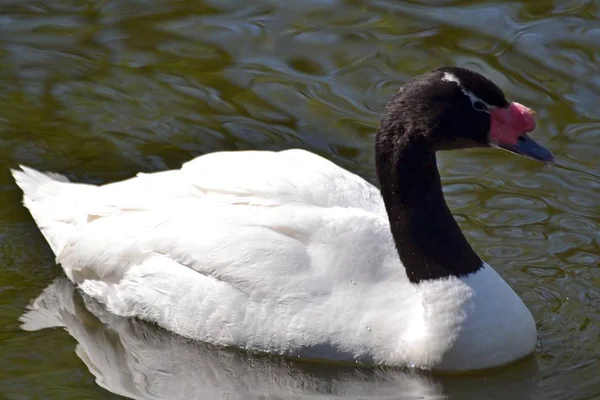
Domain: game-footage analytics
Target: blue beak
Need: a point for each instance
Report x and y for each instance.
(527, 147)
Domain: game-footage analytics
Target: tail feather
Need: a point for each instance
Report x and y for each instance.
(48, 198)
(36, 184)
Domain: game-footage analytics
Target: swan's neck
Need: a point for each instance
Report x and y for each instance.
(430, 243)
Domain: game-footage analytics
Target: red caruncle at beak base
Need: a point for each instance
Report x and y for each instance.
(508, 131)
(507, 124)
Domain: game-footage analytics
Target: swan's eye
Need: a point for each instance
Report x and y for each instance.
(480, 106)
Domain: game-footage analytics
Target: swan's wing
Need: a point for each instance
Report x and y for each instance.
(283, 244)
(240, 216)
(261, 177)
(288, 248)
(278, 177)
(258, 178)
(291, 279)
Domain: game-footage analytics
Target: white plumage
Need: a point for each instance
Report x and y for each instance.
(279, 252)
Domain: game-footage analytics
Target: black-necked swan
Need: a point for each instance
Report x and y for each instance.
(287, 253)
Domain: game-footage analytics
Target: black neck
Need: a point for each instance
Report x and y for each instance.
(430, 243)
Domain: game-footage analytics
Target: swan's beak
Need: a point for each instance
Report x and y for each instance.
(508, 131)
(527, 147)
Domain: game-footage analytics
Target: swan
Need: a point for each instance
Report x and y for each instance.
(289, 254)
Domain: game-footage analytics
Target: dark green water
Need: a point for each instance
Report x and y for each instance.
(100, 90)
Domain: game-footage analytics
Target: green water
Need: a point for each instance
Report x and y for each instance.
(100, 90)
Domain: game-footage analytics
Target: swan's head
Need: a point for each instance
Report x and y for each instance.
(455, 108)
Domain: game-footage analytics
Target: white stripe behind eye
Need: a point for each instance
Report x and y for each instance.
(450, 77)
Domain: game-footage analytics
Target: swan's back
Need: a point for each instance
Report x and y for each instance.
(258, 178)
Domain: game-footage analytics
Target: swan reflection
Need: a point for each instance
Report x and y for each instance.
(139, 360)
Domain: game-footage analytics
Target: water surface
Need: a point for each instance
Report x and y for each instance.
(100, 90)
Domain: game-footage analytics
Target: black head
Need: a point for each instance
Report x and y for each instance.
(449, 108)
(455, 108)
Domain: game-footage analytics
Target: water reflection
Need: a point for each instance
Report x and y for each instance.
(141, 361)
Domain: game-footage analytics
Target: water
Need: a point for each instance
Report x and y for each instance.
(100, 90)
